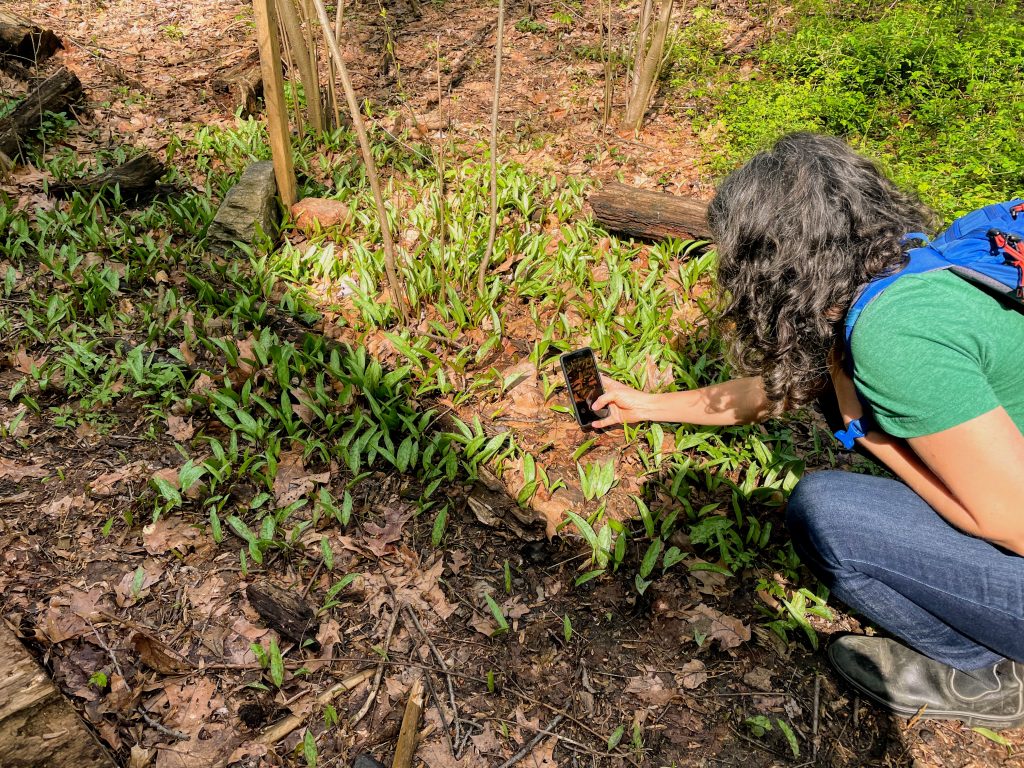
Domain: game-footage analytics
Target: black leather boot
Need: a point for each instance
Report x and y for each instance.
(908, 683)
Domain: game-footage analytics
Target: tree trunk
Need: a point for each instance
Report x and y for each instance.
(649, 215)
(135, 177)
(57, 93)
(37, 724)
(27, 43)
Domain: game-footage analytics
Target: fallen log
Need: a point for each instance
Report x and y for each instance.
(135, 177)
(649, 215)
(58, 93)
(37, 724)
(28, 44)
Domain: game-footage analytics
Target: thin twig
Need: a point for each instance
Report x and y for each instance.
(395, 284)
(177, 735)
(379, 673)
(815, 741)
(531, 744)
(451, 688)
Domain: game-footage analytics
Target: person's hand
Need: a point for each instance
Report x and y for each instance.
(625, 405)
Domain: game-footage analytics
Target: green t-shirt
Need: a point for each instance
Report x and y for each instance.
(934, 351)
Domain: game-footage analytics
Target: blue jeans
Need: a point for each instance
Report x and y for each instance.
(885, 553)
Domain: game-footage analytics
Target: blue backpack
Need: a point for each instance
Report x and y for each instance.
(985, 247)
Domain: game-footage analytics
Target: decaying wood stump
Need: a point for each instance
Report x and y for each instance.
(649, 215)
(244, 83)
(26, 43)
(135, 177)
(37, 724)
(58, 93)
(283, 611)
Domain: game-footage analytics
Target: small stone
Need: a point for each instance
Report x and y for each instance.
(248, 207)
(312, 212)
(366, 761)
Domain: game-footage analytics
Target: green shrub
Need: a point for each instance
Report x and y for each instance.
(932, 90)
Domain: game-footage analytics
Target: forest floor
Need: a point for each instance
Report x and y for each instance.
(149, 626)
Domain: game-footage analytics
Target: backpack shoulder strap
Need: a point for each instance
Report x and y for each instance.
(923, 259)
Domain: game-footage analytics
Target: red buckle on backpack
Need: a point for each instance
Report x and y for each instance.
(1013, 253)
(1019, 208)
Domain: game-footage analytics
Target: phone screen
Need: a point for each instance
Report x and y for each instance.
(584, 382)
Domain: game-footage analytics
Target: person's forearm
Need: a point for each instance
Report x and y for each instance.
(739, 401)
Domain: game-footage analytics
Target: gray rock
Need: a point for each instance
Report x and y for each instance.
(365, 761)
(250, 204)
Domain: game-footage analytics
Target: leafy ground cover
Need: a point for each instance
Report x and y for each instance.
(180, 425)
(932, 90)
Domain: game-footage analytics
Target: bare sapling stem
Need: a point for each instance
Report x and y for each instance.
(302, 58)
(481, 277)
(395, 284)
(606, 59)
(650, 69)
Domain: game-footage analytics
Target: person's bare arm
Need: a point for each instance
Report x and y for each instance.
(739, 401)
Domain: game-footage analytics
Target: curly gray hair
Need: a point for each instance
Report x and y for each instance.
(799, 228)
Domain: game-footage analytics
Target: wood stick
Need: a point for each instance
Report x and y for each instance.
(481, 277)
(273, 96)
(405, 749)
(279, 730)
(397, 289)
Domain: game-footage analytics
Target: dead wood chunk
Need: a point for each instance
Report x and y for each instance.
(283, 611)
(649, 215)
(58, 93)
(37, 724)
(25, 42)
(243, 84)
(134, 177)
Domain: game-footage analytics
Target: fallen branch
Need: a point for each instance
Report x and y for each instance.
(26, 42)
(380, 671)
(531, 744)
(278, 731)
(405, 748)
(134, 177)
(455, 745)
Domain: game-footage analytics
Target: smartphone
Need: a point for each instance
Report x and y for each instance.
(581, 376)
